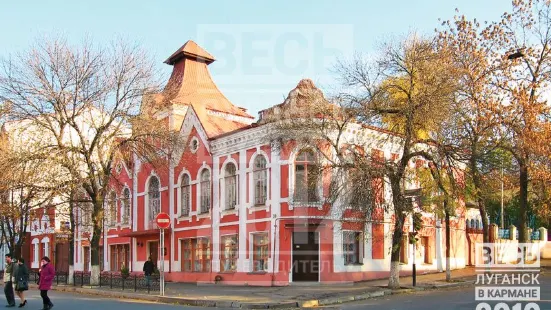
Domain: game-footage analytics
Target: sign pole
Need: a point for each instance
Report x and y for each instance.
(163, 262)
(163, 222)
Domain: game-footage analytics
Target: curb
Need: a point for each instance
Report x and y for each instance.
(244, 305)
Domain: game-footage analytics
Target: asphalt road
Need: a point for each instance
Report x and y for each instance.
(68, 301)
(450, 299)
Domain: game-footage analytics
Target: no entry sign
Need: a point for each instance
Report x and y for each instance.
(163, 220)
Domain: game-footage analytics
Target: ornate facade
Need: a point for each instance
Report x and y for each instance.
(242, 211)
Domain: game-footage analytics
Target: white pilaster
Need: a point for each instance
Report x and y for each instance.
(106, 263)
(242, 262)
(171, 211)
(134, 215)
(275, 207)
(439, 248)
(216, 214)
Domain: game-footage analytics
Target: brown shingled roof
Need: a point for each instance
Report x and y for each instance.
(192, 50)
(191, 85)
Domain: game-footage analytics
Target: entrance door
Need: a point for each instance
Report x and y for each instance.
(62, 257)
(305, 257)
(154, 251)
(86, 258)
(427, 254)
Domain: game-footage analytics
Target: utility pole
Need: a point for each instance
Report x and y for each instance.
(502, 224)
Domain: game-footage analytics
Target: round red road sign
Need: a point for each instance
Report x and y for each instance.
(163, 220)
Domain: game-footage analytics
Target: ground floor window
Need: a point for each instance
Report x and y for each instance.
(120, 255)
(351, 247)
(196, 256)
(228, 250)
(260, 252)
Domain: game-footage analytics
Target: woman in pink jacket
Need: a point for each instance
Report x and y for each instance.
(46, 278)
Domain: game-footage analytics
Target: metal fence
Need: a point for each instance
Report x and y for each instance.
(60, 277)
(503, 234)
(112, 280)
(506, 234)
(130, 282)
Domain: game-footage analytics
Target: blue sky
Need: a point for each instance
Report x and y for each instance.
(263, 48)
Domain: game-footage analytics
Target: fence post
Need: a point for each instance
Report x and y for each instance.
(57, 278)
(74, 278)
(111, 283)
(148, 284)
(82, 279)
(122, 282)
(135, 283)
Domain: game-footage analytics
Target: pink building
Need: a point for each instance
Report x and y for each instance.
(242, 211)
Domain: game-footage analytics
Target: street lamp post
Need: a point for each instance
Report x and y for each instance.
(413, 266)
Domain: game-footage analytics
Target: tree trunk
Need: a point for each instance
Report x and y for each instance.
(397, 235)
(523, 176)
(94, 244)
(485, 224)
(71, 243)
(448, 242)
(481, 206)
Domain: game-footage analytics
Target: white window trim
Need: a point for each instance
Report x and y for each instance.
(146, 204)
(112, 225)
(361, 254)
(36, 258)
(222, 178)
(266, 206)
(179, 194)
(292, 169)
(46, 249)
(198, 192)
(193, 139)
(123, 212)
(238, 253)
(251, 251)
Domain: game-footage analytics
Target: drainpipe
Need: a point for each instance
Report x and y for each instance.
(273, 251)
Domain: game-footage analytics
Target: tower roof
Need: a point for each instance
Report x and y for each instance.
(192, 50)
(191, 85)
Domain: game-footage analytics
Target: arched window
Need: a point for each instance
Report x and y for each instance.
(112, 202)
(472, 223)
(478, 225)
(205, 191)
(230, 186)
(260, 179)
(154, 198)
(185, 195)
(126, 206)
(467, 224)
(306, 177)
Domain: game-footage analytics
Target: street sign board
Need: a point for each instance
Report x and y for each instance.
(162, 220)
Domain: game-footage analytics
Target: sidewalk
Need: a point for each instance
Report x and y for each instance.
(292, 296)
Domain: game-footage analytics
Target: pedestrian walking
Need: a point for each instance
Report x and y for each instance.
(47, 274)
(8, 277)
(21, 281)
(148, 269)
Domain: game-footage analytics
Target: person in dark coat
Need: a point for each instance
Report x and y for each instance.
(21, 281)
(47, 274)
(148, 269)
(8, 277)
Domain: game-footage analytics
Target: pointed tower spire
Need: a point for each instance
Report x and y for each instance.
(190, 50)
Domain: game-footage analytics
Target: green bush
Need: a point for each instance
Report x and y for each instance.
(125, 272)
